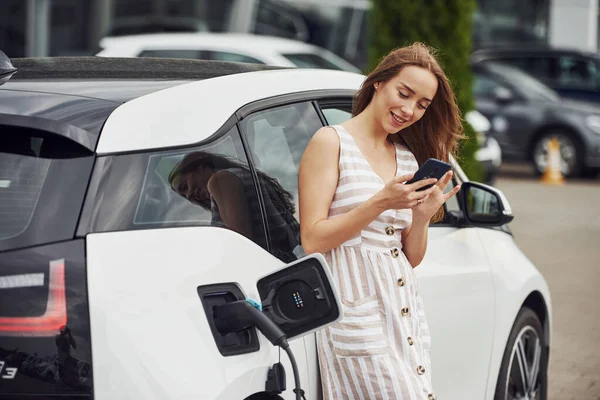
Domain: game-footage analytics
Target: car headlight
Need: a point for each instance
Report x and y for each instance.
(593, 122)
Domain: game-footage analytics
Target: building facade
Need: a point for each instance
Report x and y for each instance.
(74, 27)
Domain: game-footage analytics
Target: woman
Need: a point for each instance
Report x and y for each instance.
(372, 228)
(226, 188)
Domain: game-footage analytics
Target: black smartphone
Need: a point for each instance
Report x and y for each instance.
(432, 168)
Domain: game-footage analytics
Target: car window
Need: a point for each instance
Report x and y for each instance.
(335, 115)
(484, 85)
(540, 67)
(208, 185)
(232, 57)
(309, 60)
(43, 179)
(173, 53)
(577, 72)
(277, 138)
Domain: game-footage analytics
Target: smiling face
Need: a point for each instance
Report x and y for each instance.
(403, 100)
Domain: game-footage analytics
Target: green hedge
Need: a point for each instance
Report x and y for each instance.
(445, 25)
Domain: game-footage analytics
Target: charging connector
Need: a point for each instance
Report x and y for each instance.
(240, 315)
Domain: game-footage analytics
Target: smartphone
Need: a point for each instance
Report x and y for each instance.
(432, 168)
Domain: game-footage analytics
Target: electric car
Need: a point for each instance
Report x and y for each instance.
(109, 259)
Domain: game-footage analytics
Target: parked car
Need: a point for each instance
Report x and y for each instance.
(92, 233)
(526, 114)
(259, 49)
(571, 73)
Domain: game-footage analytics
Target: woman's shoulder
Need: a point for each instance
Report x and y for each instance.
(327, 135)
(326, 139)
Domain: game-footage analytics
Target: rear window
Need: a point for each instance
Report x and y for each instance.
(42, 184)
(22, 175)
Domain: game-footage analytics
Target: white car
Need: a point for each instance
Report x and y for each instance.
(93, 236)
(235, 47)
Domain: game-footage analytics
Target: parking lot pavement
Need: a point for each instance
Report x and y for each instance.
(558, 228)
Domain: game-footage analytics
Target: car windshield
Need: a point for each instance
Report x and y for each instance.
(527, 85)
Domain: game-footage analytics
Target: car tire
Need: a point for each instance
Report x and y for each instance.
(525, 342)
(570, 148)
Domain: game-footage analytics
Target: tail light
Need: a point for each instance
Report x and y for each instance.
(55, 316)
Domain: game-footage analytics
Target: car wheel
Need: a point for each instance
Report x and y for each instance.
(571, 155)
(523, 372)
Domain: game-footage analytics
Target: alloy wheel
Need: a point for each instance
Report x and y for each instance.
(568, 154)
(523, 373)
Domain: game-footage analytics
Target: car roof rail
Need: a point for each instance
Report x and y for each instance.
(7, 69)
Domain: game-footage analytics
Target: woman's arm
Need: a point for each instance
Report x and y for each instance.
(317, 182)
(414, 239)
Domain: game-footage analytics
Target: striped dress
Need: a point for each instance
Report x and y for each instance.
(381, 348)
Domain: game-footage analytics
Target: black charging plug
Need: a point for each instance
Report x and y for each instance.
(275, 379)
(240, 315)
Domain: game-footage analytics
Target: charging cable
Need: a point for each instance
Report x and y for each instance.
(243, 314)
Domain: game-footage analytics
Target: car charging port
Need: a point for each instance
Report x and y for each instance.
(232, 342)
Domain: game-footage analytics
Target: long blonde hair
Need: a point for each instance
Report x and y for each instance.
(437, 133)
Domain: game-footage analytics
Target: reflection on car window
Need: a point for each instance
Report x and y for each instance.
(207, 185)
(308, 60)
(277, 140)
(151, 208)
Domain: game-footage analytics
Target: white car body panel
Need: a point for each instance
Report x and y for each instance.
(159, 346)
(189, 113)
(457, 288)
(515, 278)
(267, 49)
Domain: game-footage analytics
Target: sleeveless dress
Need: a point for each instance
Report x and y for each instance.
(381, 348)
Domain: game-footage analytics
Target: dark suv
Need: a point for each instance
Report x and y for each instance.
(572, 73)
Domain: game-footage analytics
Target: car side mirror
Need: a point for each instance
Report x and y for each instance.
(301, 297)
(484, 205)
(503, 95)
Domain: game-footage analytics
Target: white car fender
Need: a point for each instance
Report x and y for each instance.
(515, 279)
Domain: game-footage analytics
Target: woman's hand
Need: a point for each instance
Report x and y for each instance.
(430, 204)
(397, 195)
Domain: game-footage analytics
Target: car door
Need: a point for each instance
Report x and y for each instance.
(153, 241)
(513, 120)
(457, 287)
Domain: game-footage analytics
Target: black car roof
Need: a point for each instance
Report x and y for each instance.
(130, 77)
(73, 96)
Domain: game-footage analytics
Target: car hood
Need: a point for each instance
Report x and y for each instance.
(580, 106)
